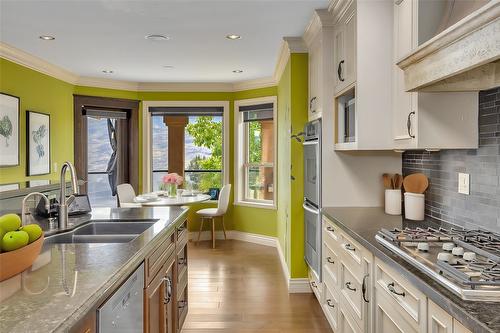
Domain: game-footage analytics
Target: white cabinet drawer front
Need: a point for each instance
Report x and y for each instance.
(347, 323)
(439, 321)
(351, 291)
(331, 234)
(316, 286)
(404, 295)
(330, 266)
(389, 319)
(351, 249)
(331, 307)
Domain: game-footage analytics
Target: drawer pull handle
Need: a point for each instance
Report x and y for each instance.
(364, 288)
(313, 284)
(330, 303)
(168, 289)
(349, 247)
(182, 304)
(330, 229)
(348, 286)
(330, 260)
(182, 261)
(391, 288)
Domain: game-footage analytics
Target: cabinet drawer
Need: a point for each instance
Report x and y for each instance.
(404, 296)
(155, 261)
(351, 291)
(181, 232)
(182, 263)
(330, 266)
(347, 323)
(331, 234)
(182, 308)
(351, 252)
(316, 286)
(331, 307)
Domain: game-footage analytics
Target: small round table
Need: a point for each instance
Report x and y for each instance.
(177, 201)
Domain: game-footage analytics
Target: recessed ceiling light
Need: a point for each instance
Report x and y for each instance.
(168, 67)
(47, 37)
(157, 37)
(233, 37)
(107, 71)
(237, 71)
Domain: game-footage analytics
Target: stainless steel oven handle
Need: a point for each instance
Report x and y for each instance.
(309, 209)
(310, 143)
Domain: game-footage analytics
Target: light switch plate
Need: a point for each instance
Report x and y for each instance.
(463, 183)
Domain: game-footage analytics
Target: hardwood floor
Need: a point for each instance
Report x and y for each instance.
(239, 288)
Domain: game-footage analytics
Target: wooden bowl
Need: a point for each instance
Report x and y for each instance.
(15, 262)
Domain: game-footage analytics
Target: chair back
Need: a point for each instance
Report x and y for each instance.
(126, 194)
(224, 199)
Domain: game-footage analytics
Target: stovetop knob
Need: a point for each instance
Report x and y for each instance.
(469, 256)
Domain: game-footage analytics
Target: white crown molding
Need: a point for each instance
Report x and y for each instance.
(27, 60)
(254, 84)
(185, 86)
(321, 18)
(106, 83)
(288, 46)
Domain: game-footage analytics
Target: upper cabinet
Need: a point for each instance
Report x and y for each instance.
(423, 120)
(362, 70)
(319, 40)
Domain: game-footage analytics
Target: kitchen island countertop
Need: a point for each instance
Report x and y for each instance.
(362, 224)
(68, 280)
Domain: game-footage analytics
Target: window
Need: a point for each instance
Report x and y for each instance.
(255, 158)
(188, 141)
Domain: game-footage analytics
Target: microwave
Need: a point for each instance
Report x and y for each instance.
(350, 120)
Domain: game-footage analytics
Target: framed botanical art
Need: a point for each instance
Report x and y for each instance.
(38, 143)
(9, 130)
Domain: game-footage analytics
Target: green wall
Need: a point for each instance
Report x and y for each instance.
(39, 92)
(293, 100)
(44, 94)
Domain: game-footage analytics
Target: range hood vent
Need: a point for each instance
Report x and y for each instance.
(463, 57)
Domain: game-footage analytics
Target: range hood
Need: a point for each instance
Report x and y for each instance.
(463, 57)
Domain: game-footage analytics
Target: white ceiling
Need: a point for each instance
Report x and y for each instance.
(95, 35)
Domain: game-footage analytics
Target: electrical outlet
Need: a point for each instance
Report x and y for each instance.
(463, 183)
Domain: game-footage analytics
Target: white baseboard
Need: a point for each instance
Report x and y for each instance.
(299, 285)
(295, 285)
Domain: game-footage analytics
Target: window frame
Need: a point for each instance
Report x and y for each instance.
(241, 155)
(147, 142)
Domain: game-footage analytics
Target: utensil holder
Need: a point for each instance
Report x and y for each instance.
(393, 202)
(414, 206)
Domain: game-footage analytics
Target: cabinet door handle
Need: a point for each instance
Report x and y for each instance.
(339, 71)
(182, 304)
(311, 104)
(364, 287)
(313, 284)
(168, 289)
(330, 229)
(348, 286)
(330, 260)
(349, 247)
(182, 261)
(391, 288)
(408, 125)
(330, 303)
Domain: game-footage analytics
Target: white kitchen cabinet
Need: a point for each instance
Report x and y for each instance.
(347, 323)
(319, 40)
(459, 328)
(345, 50)
(439, 321)
(426, 120)
(363, 69)
(388, 319)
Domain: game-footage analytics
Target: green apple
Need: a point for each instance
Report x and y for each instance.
(34, 231)
(2, 233)
(10, 222)
(14, 240)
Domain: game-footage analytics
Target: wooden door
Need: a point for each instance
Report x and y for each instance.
(169, 301)
(154, 305)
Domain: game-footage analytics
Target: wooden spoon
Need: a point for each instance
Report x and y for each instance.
(387, 181)
(416, 183)
(398, 181)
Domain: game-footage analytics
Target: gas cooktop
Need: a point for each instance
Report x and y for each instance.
(465, 261)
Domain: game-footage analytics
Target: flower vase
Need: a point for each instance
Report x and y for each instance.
(172, 190)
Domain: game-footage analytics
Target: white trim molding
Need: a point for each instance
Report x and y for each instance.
(299, 286)
(239, 152)
(288, 46)
(147, 144)
(321, 18)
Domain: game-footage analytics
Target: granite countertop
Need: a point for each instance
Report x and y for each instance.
(68, 280)
(362, 224)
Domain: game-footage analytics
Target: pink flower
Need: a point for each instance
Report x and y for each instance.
(173, 178)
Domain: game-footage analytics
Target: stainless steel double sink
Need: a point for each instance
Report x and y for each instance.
(101, 232)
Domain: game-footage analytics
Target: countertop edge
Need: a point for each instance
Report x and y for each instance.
(421, 285)
(116, 279)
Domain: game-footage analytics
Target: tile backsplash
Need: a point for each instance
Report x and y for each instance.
(482, 207)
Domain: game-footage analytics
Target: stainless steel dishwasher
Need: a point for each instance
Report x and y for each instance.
(123, 311)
